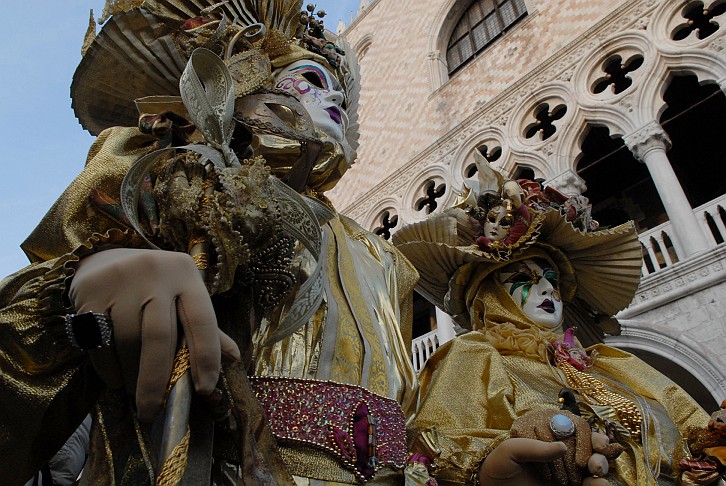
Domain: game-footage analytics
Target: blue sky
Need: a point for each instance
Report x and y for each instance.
(44, 146)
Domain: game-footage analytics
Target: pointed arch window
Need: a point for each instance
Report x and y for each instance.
(482, 22)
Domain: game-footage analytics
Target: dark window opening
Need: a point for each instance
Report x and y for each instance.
(490, 155)
(432, 193)
(616, 74)
(522, 172)
(483, 22)
(388, 222)
(699, 20)
(545, 121)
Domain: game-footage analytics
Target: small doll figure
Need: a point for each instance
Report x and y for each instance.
(568, 350)
(502, 223)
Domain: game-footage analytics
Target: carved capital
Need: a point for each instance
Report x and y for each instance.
(433, 55)
(650, 137)
(568, 183)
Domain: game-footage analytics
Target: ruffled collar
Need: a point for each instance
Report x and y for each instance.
(532, 342)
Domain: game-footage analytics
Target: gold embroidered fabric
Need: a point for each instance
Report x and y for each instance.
(471, 394)
(359, 334)
(47, 387)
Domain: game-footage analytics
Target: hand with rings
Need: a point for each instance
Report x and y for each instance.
(549, 447)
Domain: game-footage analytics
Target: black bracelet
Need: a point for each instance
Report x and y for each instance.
(90, 330)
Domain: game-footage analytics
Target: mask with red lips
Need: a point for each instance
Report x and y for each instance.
(533, 286)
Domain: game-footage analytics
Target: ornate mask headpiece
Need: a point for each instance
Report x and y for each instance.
(599, 271)
(143, 47)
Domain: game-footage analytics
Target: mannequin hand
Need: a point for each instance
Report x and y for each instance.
(510, 462)
(148, 293)
(587, 451)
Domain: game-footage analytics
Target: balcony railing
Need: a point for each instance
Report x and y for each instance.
(660, 248)
(423, 347)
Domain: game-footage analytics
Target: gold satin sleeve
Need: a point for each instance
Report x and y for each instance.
(673, 411)
(71, 221)
(471, 395)
(47, 387)
(649, 382)
(466, 395)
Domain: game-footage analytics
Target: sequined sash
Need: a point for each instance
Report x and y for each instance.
(362, 430)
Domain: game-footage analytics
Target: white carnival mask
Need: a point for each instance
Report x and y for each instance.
(533, 284)
(319, 92)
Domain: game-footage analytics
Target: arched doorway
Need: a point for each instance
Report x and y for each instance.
(679, 375)
(619, 186)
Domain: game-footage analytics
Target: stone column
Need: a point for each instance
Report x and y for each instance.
(649, 145)
(444, 326)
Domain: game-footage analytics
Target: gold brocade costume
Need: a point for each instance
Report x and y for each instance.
(204, 77)
(471, 394)
(354, 337)
(474, 387)
(357, 337)
(516, 300)
(48, 387)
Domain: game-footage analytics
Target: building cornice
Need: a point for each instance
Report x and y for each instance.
(361, 16)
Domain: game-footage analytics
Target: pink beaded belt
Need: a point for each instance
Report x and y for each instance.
(363, 430)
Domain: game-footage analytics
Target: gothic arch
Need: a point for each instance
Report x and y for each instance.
(372, 219)
(669, 15)
(702, 65)
(527, 158)
(628, 45)
(441, 29)
(553, 94)
(614, 118)
(464, 153)
(635, 336)
(414, 191)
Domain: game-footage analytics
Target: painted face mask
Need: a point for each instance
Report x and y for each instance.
(497, 224)
(533, 286)
(319, 92)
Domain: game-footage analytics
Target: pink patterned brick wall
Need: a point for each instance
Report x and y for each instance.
(401, 114)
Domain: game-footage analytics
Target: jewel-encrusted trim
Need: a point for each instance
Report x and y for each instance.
(321, 414)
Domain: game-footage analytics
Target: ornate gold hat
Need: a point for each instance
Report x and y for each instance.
(599, 270)
(144, 45)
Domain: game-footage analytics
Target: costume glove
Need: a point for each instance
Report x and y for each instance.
(149, 295)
